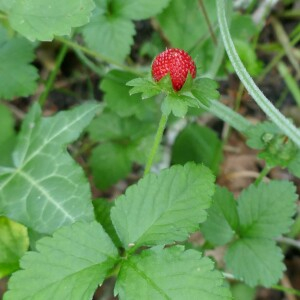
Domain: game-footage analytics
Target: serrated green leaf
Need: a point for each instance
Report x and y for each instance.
(145, 86)
(199, 144)
(118, 98)
(109, 35)
(41, 19)
(172, 274)
(164, 208)
(17, 76)
(7, 136)
(51, 189)
(70, 265)
(205, 90)
(13, 244)
(266, 211)
(139, 9)
(255, 261)
(222, 220)
(182, 31)
(109, 163)
(102, 209)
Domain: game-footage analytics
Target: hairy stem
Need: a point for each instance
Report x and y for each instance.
(270, 110)
(156, 143)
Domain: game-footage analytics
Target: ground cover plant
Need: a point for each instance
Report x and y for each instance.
(142, 155)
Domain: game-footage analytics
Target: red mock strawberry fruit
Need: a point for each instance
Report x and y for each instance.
(175, 62)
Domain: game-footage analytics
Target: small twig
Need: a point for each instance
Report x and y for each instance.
(289, 241)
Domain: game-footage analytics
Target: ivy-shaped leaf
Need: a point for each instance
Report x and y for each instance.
(46, 189)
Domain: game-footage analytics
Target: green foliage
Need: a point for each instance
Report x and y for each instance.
(17, 76)
(264, 213)
(123, 141)
(7, 135)
(41, 20)
(182, 31)
(13, 244)
(241, 291)
(194, 93)
(171, 273)
(120, 99)
(56, 192)
(276, 148)
(165, 208)
(199, 144)
(102, 209)
(111, 29)
(223, 219)
(69, 265)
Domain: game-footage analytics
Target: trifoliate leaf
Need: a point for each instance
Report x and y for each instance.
(199, 144)
(109, 163)
(109, 35)
(52, 190)
(13, 244)
(164, 208)
(222, 220)
(174, 104)
(119, 98)
(41, 19)
(255, 261)
(170, 273)
(205, 90)
(17, 76)
(139, 9)
(102, 209)
(7, 136)
(69, 265)
(266, 211)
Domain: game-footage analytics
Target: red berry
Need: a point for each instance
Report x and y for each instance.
(175, 62)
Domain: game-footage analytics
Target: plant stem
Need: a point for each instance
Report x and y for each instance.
(228, 115)
(262, 174)
(210, 28)
(53, 74)
(97, 55)
(270, 110)
(156, 143)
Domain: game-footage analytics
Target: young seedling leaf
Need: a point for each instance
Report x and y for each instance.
(52, 190)
(222, 220)
(13, 244)
(255, 261)
(172, 274)
(42, 20)
(266, 211)
(17, 76)
(69, 265)
(164, 208)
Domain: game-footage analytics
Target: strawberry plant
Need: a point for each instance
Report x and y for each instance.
(111, 177)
